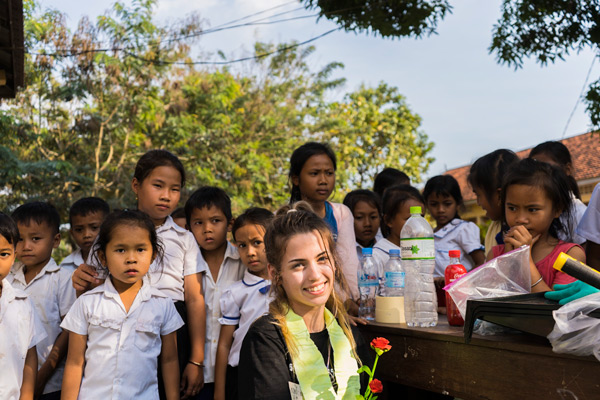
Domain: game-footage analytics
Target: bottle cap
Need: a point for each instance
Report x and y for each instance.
(415, 210)
(394, 252)
(454, 253)
(367, 251)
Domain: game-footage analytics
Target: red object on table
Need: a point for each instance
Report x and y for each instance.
(453, 271)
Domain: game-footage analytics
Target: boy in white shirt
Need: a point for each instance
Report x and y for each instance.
(19, 329)
(47, 285)
(208, 215)
(85, 217)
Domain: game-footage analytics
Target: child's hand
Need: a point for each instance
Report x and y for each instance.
(84, 278)
(518, 236)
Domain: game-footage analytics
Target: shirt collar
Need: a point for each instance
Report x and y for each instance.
(144, 294)
(250, 279)
(231, 252)
(9, 294)
(449, 227)
(170, 224)
(74, 258)
(18, 271)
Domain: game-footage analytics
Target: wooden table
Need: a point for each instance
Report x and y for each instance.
(500, 367)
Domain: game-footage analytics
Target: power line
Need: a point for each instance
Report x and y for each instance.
(580, 95)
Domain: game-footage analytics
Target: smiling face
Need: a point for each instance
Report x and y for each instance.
(531, 207)
(316, 179)
(7, 257)
(159, 193)
(36, 243)
(249, 240)
(366, 222)
(128, 255)
(209, 226)
(307, 273)
(85, 228)
(442, 208)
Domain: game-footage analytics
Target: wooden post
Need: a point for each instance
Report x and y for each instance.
(2, 77)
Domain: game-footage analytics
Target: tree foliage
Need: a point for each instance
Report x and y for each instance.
(99, 97)
(387, 18)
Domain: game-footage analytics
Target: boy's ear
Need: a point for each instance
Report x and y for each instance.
(56, 241)
(230, 224)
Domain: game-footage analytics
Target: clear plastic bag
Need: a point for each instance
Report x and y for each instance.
(506, 275)
(575, 331)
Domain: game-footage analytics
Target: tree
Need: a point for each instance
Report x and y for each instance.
(373, 128)
(387, 18)
(549, 30)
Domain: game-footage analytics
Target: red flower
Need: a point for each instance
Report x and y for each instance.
(381, 344)
(376, 386)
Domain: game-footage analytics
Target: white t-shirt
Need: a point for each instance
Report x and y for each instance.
(241, 304)
(232, 270)
(577, 211)
(73, 260)
(589, 225)
(121, 357)
(52, 295)
(456, 235)
(20, 330)
(181, 254)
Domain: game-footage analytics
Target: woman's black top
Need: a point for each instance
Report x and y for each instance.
(265, 366)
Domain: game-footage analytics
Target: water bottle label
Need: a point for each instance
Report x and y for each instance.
(417, 249)
(367, 280)
(394, 279)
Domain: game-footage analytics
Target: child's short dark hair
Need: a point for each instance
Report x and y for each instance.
(299, 158)
(393, 199)
(178, 213)
(131, 218)
(253, 216)
(356, 196)
(561, 155)
(444, 185)
(88, 205)
(487, 173)
(208, 196)
(551, 179)
(157, 158)
(9, 229)
(389, 177)
(38, 211)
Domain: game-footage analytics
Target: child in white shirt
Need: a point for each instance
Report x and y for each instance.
(47, 285)
(120, 330)
(244, 301)
(85, 217)
(19, 328)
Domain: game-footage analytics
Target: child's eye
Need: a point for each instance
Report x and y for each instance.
(176, 189)
(216, 221)
(330, 173)
(119, 250)
(35, 238)
(257, 243)
(78, 230)
(533, 209)
(141, 249)
(5, 254)
(241, 245)
(156, 185)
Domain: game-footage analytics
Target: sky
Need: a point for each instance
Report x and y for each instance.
(469, 104)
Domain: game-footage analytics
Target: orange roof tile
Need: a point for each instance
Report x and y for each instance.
(585, 152)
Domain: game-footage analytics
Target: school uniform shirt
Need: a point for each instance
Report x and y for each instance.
(20, 330)
(73, 260)
(181, 254)
(589, 225)
(231, 271)
(241, 304)
(577, 211)
(52, 295)
(121, 357)
(346, 240)
(456, 235)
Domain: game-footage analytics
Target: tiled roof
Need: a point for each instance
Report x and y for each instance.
(585, 152)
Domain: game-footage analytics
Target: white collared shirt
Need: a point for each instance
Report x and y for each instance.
(181, 255)
(52, 295)
(578, 209)
(20, 330)
(381, 255)
(231, 271)
(589, 225)
(456, 235)
(242, 304)
(121, 357)
(73, 260)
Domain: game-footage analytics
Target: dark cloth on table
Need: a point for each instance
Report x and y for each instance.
(265, 366)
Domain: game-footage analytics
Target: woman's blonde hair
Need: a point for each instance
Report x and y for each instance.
(291, 220)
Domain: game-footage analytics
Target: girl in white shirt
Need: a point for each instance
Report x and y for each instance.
(119, 330)
(244, 301)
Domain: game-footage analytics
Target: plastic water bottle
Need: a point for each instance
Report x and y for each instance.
(368, 284)
(418, 255)
(394, 275)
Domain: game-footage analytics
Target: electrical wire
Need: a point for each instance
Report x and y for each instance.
(585, 85)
